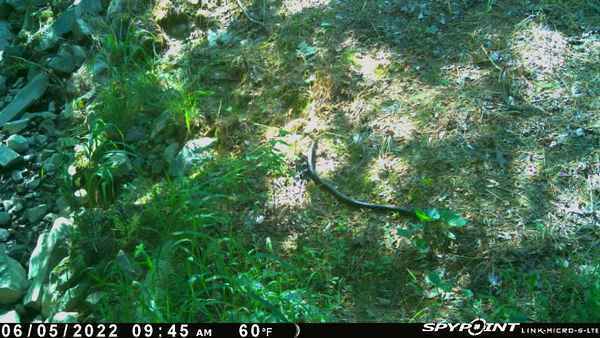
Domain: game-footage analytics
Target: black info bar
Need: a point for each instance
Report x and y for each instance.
(478, 327)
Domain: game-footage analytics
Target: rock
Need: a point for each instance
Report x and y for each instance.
(93, 299)
(62, 62)
(3, 87)
(26, 96)
(79, 54)
(8, 157)
(16, 126)
(4, 235)
(50, 249)
(17, 176)
(4, 218)
(36, 214)
(17, 207)
(11, 317)
(13, 280)
(114, 8)
(135, 134)
(118, 163)
(57, 295)
(162, 124)
(6, 36)
(18, 143)
(193, 153)
(64, 317)
(5, 9)
(67, 22)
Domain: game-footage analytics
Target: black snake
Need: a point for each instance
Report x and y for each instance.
(311, 157)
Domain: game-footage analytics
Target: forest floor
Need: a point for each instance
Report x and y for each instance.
(487, 110)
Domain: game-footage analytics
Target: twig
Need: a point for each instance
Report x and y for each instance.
(247, 15)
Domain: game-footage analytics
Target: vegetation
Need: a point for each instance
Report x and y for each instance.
(484, 114)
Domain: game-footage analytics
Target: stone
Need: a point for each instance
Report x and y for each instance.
(6, 36)
(36, 214)
(135, 134)
(24, 98)
(3, 86)
(79, 54)
(193, 153)
(118, 163)
(17, 207)
(5, 9)
(4, 218)
(58, 296)
(17, 143)
(13, 280)
(4, 235)
(16, 126)
(11, 317)
(63, 61)
(8, 157)
(50, 249)
(114, 8)
(64, 317)
(67, 22)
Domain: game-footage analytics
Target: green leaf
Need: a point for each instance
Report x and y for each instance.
(457, 222)
(403, 232)
(451, 235)
(434, 214)
(421, 245)
(423, 216)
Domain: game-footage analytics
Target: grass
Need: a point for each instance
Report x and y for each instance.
(444, 107)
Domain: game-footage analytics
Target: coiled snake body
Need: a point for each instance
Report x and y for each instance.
(311, 158)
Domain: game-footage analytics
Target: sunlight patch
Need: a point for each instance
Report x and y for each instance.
(540, 50)
(296, 6)
(372, 68)
(288, 193)
(400, 128)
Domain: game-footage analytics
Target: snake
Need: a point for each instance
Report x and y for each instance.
(311, 159)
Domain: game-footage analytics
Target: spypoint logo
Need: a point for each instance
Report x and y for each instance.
(474, 328)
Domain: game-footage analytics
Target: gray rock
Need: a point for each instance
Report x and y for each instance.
(118, 163)
(162, 124)
(67, 22)
(114, 8)
(5, 9)
(8, 157)
(81, 29)
(11, 316)
(41, 115)
(3, 87)
(58, 296)
(16, 126)
(135, 134)
(8, 204)
(18, 143)
(26, 96)
(17, 207)
(63, 61)
(50, 249)
(79, 54)
(36, 214)
(6, 36)
(64, 317)
(170, 152)
(193, 153)
(13, 280)
(4, 235)
(17, 176)
(4, 218)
